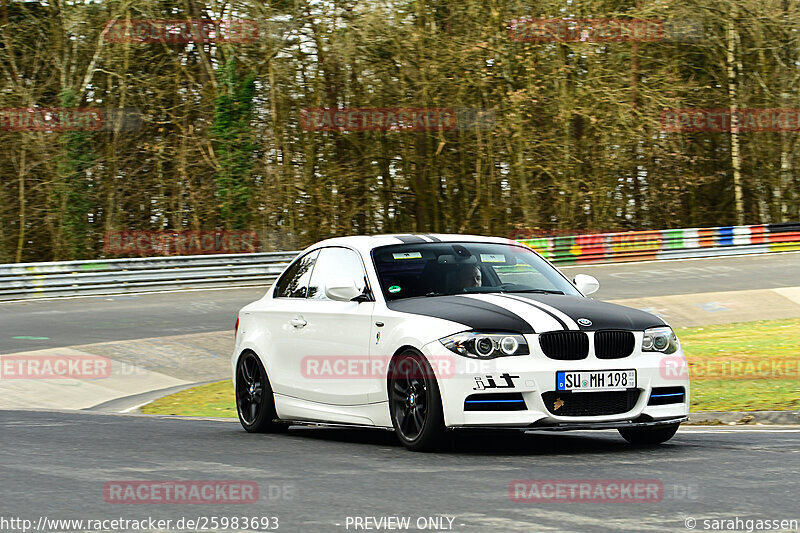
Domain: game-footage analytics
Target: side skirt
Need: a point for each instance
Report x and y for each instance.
(320, 424)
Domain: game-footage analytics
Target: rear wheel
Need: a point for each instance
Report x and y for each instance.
(254, 400)
(649, 435)
(415, 403)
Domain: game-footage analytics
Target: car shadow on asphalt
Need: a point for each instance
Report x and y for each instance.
(496, 442)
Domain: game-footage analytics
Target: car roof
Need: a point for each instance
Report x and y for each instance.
(366, 243)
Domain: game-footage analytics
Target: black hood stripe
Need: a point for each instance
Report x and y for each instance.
(411, 239)
(603, 315)
(478, 314)
(432, 238)
(537, 318)
(565, 320)
(474, 314)
(540, 308)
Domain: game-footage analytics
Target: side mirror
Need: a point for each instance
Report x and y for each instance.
(342, 289)
(586, 284)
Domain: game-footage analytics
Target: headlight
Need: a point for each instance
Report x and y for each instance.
(486, 345)
(661, 339)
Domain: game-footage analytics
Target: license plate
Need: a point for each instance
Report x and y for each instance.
(596, 380)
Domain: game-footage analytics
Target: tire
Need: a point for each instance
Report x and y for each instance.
(415, 403)
(255, 403)
(649, 436)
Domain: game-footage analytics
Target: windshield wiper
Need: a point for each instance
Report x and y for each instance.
(490, 290)
(536, 291)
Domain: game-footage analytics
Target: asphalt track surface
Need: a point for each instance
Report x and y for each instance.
(56, 464)
(74, 321)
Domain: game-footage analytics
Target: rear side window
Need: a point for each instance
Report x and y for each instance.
(294, 282)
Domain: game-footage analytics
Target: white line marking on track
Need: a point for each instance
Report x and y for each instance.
(113, 295)
(129, 409)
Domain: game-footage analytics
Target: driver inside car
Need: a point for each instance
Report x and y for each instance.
(469, 276)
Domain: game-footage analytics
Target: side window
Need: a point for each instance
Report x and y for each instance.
(335, 263)
(294, 282)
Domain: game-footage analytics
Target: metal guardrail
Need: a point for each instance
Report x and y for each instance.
(20, 281)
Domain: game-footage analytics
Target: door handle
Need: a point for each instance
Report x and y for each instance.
(298, 322)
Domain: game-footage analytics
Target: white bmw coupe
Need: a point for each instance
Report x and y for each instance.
(428, 333)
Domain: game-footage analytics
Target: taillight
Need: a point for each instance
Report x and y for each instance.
(236, 328)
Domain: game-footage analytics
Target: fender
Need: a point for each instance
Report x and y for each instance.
(407, 330)
(254, 339)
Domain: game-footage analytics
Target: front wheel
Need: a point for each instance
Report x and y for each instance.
(254, 400)
(651, 435)
(415, 403)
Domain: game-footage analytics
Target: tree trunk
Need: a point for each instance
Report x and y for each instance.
(736, 160)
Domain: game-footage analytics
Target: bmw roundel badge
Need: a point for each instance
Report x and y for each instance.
(585, 322)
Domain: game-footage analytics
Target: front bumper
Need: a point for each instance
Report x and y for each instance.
(534, 375)
(641, 422)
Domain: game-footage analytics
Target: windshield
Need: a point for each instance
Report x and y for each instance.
(439, 269)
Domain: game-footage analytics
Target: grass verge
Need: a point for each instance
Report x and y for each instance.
(214, 399)
(748, 366)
